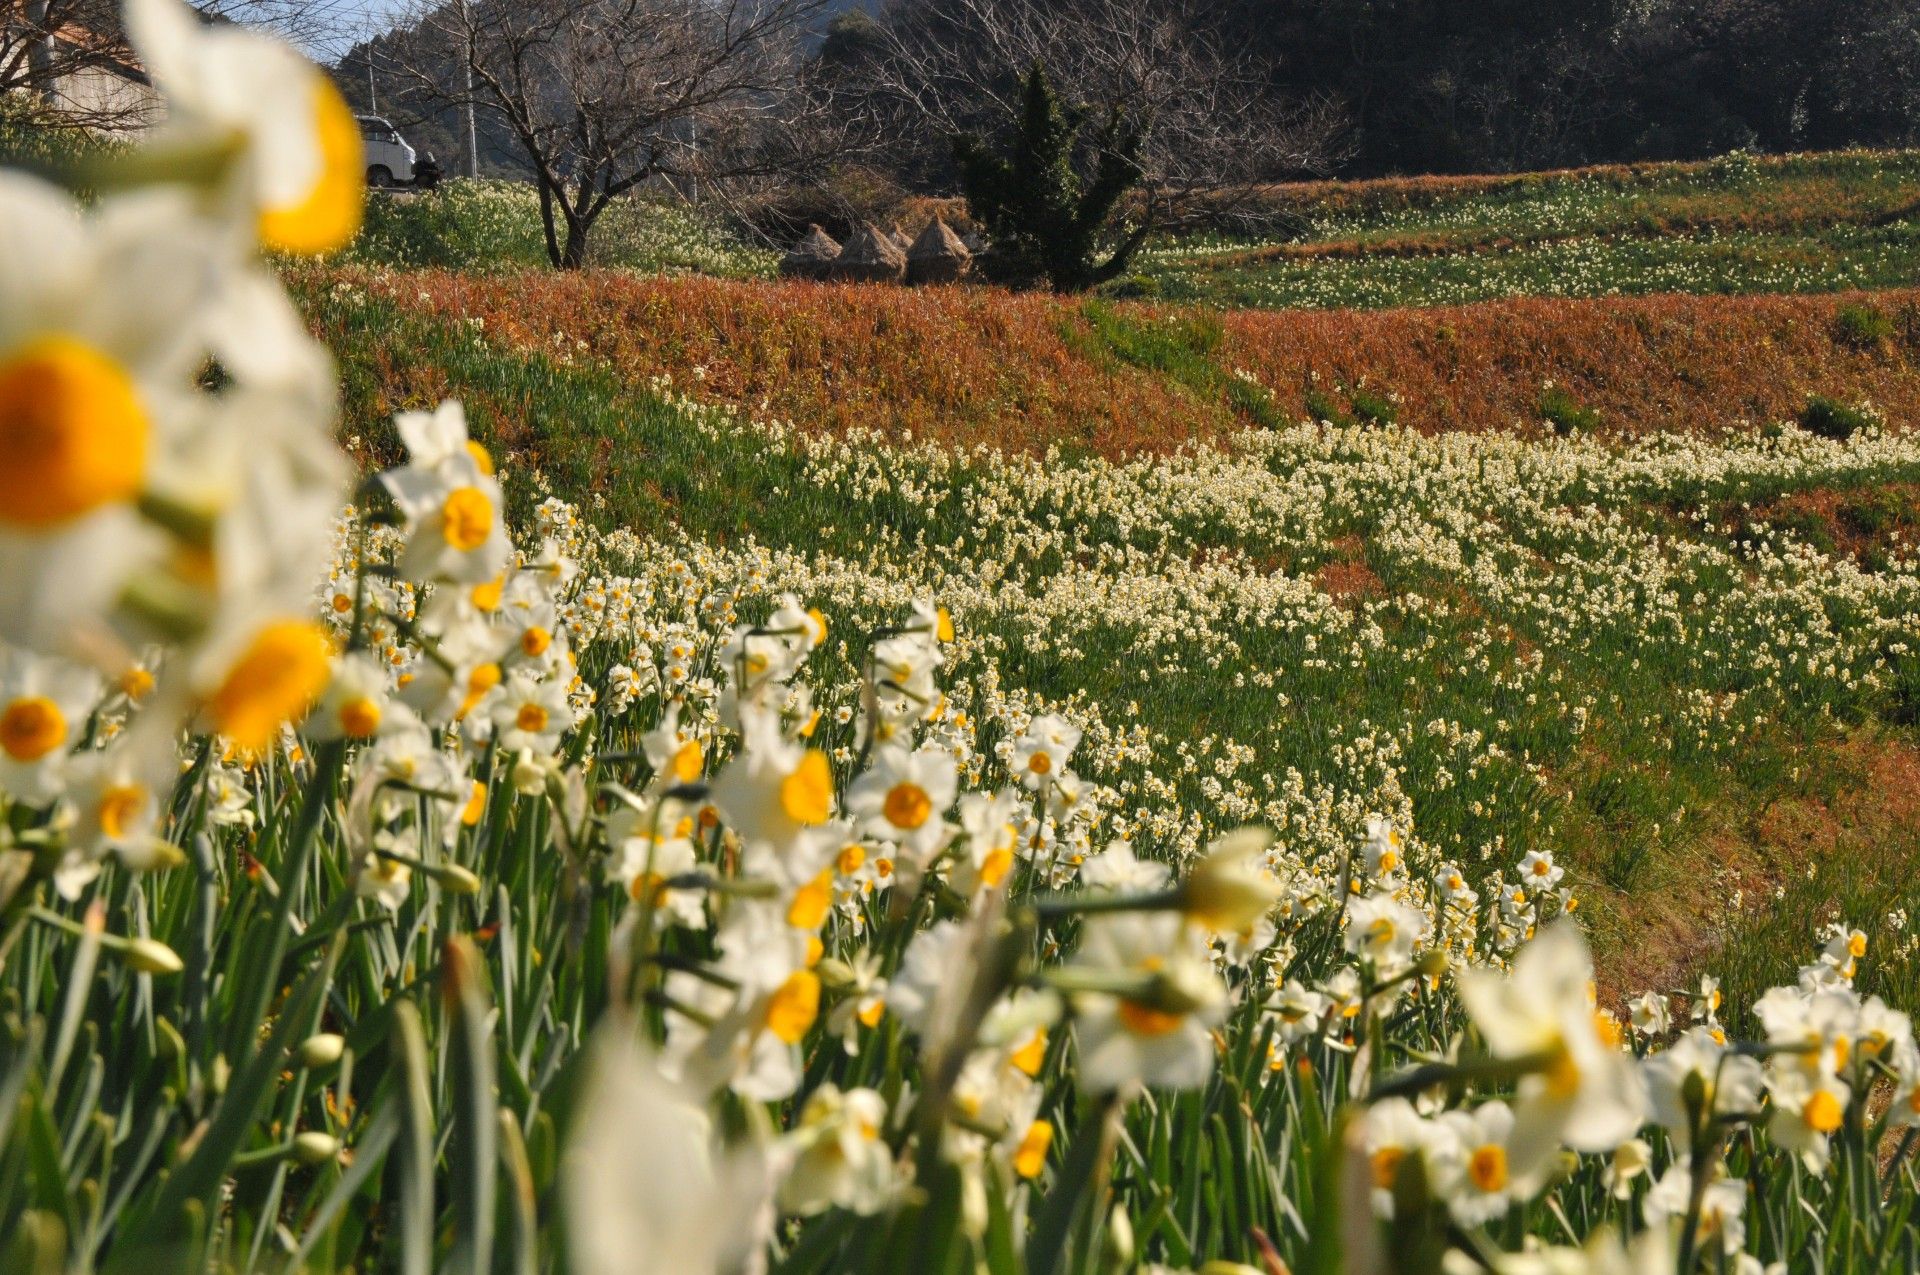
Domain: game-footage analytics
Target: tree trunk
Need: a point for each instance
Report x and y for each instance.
(547, 222)
(574, 255)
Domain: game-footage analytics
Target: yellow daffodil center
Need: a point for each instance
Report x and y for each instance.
(328, 215)
(1487, 1166)
(1040, 763)
(482, 460)
(73, 436)
(648, 886)
(793, 1006)
(942, 625)
(275, 680)
(850, 860)
(1384, 1165)
(687, 760)
(483, 679)
(1562, 1073)
(1031, 1155)
(806, 795)
(994, 868)
(136, 683)
(32, 727)
(341, 603)
(486, 597)
(1822, 1112)
(535, 641)
(466, 520)
(1145, 1020)
(476, 804)
(907, 806)
(531, 717)
(811, 902)
(119, 807)
(359, 717)
(1030, 1056)
(871, 1013)
(1856, 945)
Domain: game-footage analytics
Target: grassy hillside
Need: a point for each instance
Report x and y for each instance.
(971, 366)
(1680, 661)
(1629, 578)
(1807, 223)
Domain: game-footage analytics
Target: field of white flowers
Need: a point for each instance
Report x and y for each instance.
(981, 864)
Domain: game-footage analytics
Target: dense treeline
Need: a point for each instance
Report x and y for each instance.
(1421, 86)
(1506, 85)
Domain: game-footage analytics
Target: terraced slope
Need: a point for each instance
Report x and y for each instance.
(975, 366)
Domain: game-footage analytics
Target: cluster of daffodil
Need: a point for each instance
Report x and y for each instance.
(878, 938)
(168, 480)
(771, 933)
(1519, 586)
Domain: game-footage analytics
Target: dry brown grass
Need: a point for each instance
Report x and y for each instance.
(972, 366)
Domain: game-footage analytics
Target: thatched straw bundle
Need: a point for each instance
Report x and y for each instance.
(869, 257)
(812, 258)
(938, 255)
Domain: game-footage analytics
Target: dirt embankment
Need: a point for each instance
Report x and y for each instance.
(974, 365)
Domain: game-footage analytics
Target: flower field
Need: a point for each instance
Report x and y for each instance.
(1739, 224)
(473, 799)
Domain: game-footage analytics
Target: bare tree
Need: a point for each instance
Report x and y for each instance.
(603, 95)
(1211, 126)
(323, 28)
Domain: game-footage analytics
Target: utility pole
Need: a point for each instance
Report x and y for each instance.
(40, 50)
(373, 94)
(466, 71)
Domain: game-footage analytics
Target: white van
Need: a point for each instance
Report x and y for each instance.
(390, 160)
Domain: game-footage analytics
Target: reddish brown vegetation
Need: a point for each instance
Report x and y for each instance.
(1867, 816)
(1663, 362)
(968, 365)
(1786, 191)
(961, 365)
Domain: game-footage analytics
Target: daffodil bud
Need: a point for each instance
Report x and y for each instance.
(1693, 1091)
(458, 879)
(166, 856)
(150, 956)
(322, 1050)
(1228, 891)
(1119, 1240)
(315, 1148)
(834, 972)
(529, 774)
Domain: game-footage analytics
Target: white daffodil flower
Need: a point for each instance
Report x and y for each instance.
(1581, 1089)
(299, 166)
